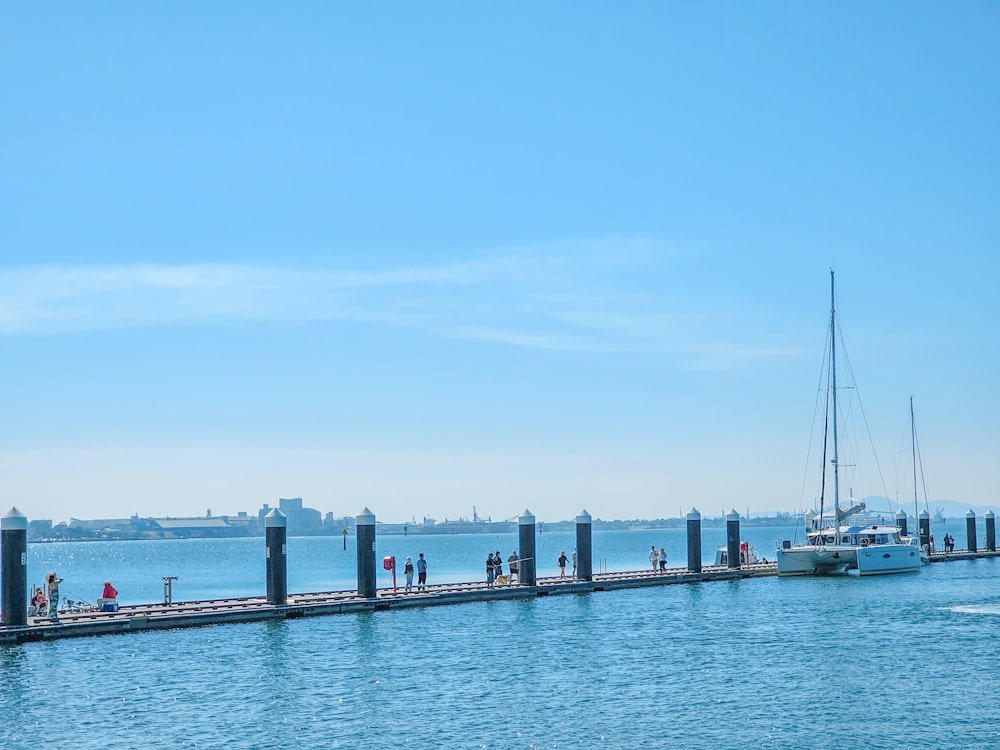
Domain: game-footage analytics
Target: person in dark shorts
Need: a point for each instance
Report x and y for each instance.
(421, 573)
(512, 564)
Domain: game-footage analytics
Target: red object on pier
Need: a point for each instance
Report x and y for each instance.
(389, 563)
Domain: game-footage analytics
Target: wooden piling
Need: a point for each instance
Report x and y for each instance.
(970, 531)
(584, 547)
(14, 568)
(694, 540)
(275, 530)
(526, 548)
(365, 526)
(924, 525)
(733, 538)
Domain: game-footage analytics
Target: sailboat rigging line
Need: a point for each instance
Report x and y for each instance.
(864, 416)
(913, 446)
(917, 463)
(821, 387)
(822, 474)
(833, 396)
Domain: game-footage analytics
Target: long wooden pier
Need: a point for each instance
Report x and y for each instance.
(143, 617)
(138, 618)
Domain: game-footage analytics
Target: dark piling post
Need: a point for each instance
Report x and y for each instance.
(991, 531)
(365, 531)
(526, 548)
(733, 538)
(924, 524)
(694, 540)
(970, 531)
(901, 522)
(275, 535)
(14, 568)
(584, 547)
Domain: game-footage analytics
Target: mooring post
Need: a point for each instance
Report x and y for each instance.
(694, 540)
(365, 529)
(526, 548)
(14, 568)
(584, 547)
(924, 524)
(991, 531)
(275, 535)
(970, 531)
(733, 538)
(901, 521)
(168, 589)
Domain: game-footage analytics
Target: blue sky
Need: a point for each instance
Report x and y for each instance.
(425, 257)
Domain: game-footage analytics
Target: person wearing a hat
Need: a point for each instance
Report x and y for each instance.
(408, 570)
(53, 582)
(109, 599)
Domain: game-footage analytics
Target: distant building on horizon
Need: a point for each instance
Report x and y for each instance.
(300, 519)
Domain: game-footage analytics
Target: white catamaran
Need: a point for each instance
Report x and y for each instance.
(839, 546)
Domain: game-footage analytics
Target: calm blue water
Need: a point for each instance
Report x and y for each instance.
(891, 662)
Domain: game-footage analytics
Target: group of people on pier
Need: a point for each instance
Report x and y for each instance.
(494, 569)
(658, 559)
(421, 568)
(45, 599)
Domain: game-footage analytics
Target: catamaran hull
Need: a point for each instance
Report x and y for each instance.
(880, 559)
(888, 558)
(812, 561)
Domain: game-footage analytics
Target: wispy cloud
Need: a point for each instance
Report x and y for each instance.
(608, 295)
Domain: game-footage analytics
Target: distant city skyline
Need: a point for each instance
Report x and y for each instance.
(549, 257)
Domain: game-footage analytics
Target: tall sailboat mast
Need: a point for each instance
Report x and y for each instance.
(833, 395)
(913, 447)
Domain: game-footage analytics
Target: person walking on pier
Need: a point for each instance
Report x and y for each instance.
(490, 571)
(562, 564)
(663, 559)
(53, 581)
(408, 572)
(497, 565)
(654, 557)
(421, 573)
(512, 565)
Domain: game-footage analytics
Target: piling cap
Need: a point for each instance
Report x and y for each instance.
(366, 518)
(584, 517)
(527, 518)
(989, 514)
(275, 519)
(694, 515)
(971, 513)
(732, 515)
(900, 513)
(15, 520)
(923, 514)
